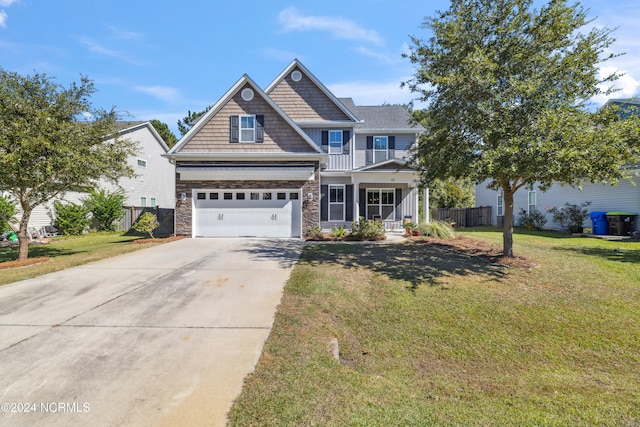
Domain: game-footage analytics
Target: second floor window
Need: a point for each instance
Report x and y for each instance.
(380, 148)
(335, 142)
(247, 128)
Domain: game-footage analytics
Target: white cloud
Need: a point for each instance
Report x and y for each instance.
(381, 56)
(3, 19)
(164, 93)
(96, 47)
(7, 2)
(627, 86)
(338, 27)
(121, 34)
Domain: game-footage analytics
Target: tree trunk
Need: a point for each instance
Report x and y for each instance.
(507, 227)
(23, 238)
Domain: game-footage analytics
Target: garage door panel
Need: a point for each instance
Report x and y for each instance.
(234, 218)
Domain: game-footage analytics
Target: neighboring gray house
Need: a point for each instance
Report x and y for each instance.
(278, 161)
(623, 197)
(153, 186)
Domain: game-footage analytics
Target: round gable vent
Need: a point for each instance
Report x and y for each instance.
(296, 76)
(247, 94)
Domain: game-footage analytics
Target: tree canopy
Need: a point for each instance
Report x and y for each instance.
(163, 130)
(508, 88)
(46, 150)
(186, 123)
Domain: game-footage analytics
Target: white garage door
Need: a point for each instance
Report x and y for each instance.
(265, 213)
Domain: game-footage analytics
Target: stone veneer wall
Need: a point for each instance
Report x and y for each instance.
(310, 209)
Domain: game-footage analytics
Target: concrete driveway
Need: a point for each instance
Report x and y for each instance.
(161, 336)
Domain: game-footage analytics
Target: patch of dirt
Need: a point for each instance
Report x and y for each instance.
(479, 248)
(28, 261)
(159, 239)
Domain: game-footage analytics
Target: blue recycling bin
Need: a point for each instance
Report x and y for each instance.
(600, 225)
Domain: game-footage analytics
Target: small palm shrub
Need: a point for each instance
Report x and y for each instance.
(439, 229)
(338, 232)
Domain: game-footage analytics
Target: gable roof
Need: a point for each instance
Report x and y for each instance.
(297, 64)
(382, 117)
(128, 127)
(391, 164)
(244, 80)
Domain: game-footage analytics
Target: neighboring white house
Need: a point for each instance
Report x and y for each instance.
(153, 186)
(624, 197)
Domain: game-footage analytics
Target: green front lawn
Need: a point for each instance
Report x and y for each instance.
(431, 337)
(65, 252)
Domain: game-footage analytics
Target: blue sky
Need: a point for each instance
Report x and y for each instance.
(160, 59)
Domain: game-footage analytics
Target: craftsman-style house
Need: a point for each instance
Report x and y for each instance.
(275, 162)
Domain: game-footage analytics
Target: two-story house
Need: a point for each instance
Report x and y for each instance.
(275, 162)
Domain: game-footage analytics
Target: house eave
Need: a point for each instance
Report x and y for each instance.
(383, 131)
(321, 157)
(246, 172)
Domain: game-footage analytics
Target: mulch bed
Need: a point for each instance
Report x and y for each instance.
(28, 261)
(159, 239)
(478, 248)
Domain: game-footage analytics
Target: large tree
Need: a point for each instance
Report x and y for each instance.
(507, 89)
(190, 119)
(45, 147)
(165, 133)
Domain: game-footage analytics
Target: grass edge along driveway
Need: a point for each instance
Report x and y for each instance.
(66, 252)
(431, 337)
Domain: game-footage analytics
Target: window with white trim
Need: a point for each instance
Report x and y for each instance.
(153, 201)
(143, 201)
(500, 209)
(336, 203)
(247, 128)
(380, 148)
(335, 142)
(532, 201)
(142, 163)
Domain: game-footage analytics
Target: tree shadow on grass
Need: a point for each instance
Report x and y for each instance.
(611, 254)
(11, 253)
(416, 264)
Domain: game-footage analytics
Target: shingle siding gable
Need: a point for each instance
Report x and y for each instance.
(279, 136)
(304, 101)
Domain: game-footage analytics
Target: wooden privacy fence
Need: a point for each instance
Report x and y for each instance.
(466, 217)
(165, 218)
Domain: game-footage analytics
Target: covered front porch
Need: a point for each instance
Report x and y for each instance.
(386, 195)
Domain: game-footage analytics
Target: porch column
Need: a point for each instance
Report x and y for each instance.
(356, 201)
(425, 204)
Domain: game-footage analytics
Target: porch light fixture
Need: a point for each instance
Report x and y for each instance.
(310, 196)
(183, 197)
